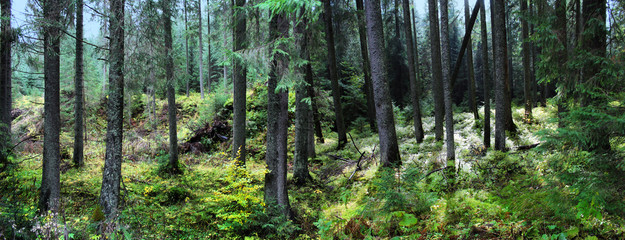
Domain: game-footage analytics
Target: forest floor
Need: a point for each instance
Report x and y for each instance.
(521, 194)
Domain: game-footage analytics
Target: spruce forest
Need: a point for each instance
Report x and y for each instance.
(312, 119)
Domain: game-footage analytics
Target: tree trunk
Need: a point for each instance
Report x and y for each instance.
(473, 94)
(240, 85)
(6, 38)
(509, 86)
(200, 47)
(449, 112)
(499, 45)
(302, 113)
(49, 196)
(437, 78)
(111, 175)
(78, 88)
(362, 32)
(526, 61)
(561, 56)
(389, 150)
(208, 36)
(277, 125)
(486, 75)
(416, 105)
(173, 165)
(186, 47)
(334, 79)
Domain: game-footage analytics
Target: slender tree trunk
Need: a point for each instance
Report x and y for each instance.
(362, 32)
(49, 196)
(470, 68)
(173, 166)
(416, 105)
(486, 75)
(449, 112)
(437, 71)
(389, 150)
(509, 87)
(78, 84)
(111, 175)
(533, 58)
(334, 79)
(561, 56)
(499, 45)
(419, 83)
(186, 47)
(277, 125)
(302, 113)
(526, 61)
(208, 36)
(240, 85)
(6, 38)
(313, 100)
(200, 47)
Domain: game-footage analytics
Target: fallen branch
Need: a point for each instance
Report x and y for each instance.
(527, 147)
(432, 172)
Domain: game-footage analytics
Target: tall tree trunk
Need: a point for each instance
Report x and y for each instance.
(437, 71)
(526, 61)
(6, 38)
(594, 43)
(389, 150)
(486, 75)
(362, 32)
(499, 45)
(473, 94)
(277, 125)
(419, 83)
(416, 105)
(78, 88)
(173, 166)
(49, 196)
(533, 58)
(449, 111)
(240, 84)
(111, 175)
(509, 87)
(186, 47)
(200, 47)
(334, 78)
(209, 58)
(561, 56)
(311, 94)
(302, 113)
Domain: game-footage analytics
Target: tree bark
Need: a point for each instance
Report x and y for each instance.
(78, 88)
(208, 36)
(509, 86)
(334, 79)
(362, 32)
(410, 46)
(302, 113)
(449, 112)
(389, 150)
(200, 47)
(499, 45)
(526, 61)
(470, 68)
(173, 165)
(6, 38)
(437, 74)
(277, 125)
(186, 47)
(561, 56)
(240, 85)
(486, 75)
(49, 195)
(111, 175)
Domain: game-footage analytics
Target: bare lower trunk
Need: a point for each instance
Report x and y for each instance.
(410, 46)
(499, 45)
(78, 88)
(111, 175)
(5, 81)
(486, 76)
(240, 86)
(470, 69)
(362, 33)
(437, 74)
(389, 150)
(334, 79)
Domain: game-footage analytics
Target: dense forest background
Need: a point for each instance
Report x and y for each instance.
(307, 119)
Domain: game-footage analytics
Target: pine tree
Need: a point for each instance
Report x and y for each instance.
(437, 74)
